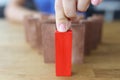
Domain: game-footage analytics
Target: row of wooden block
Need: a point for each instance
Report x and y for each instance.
(87, 34)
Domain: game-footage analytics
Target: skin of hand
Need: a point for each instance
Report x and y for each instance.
(15, 12)
(66, 11)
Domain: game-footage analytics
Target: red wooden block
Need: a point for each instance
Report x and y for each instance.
(78, 41)
(63, 44)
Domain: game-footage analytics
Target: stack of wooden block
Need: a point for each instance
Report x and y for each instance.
(87, 34)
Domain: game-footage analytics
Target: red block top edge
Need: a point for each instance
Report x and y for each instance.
(69, 31)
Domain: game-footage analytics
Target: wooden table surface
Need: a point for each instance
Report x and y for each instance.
(19, 62)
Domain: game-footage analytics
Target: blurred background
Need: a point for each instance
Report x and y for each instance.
(109, 8)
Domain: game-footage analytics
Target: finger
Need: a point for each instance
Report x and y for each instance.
(69, 7)
(82, 5)
(62, 23)
(78, 18)
(96, 2)
(81, 16)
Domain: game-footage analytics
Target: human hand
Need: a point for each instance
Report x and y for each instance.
(66, 11)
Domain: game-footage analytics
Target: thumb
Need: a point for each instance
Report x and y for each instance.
(62, 22)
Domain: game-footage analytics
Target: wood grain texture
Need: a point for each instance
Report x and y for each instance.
(19, 62)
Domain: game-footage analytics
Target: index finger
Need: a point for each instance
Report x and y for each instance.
(62, 23)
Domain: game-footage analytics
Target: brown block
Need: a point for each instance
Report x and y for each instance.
(99, 22)
(89, 36)
(48, 40)
(94, 32)
(96, 23)
(33, 32)
(78, 49)
(26, 25)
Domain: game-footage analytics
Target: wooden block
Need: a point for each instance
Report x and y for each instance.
(26, 24)
(94, 33)
(48, 42)
(48, 30)
(78, 50)
(39, 35)
(96, 24)
(89, 36)
(99, 21)
(63, 45)
(33, 32)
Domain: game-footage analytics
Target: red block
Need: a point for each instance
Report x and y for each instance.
(63, 44)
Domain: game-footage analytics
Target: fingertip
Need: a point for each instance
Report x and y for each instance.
(63, 27)
(96, 2)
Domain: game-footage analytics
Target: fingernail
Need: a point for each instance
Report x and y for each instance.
(96, 2)
(61, 28)
(64, 27)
